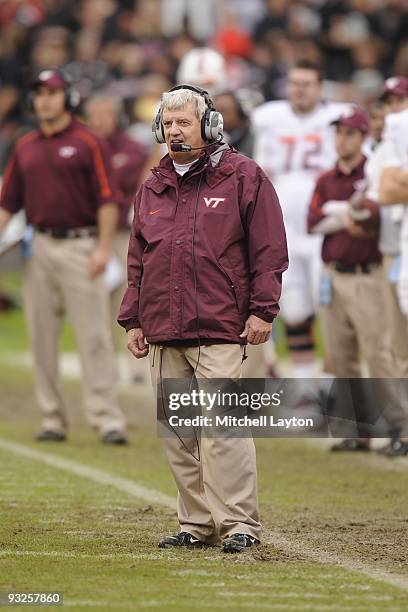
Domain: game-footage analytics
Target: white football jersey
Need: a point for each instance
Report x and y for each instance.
(396, 132)
(383, 156)
(294, 150)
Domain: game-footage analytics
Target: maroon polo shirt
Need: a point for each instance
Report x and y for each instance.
(340, 246)
(127, 159)
(60, 180)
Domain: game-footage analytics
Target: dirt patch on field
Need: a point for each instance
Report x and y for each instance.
(382, 544)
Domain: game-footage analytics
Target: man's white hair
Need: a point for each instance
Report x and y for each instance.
(174, 100)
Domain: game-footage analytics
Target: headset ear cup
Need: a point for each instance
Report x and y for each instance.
(212, 125)
(157, 128)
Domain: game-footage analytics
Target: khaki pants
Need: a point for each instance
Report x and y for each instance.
(395, 321)
(256, 365)
(57, 282)
(216, 480)
(354, 326)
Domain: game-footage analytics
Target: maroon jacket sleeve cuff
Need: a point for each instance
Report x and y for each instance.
(269, 318)
(130, 324)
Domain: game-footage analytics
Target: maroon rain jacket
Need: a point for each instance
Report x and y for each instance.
(206, 250)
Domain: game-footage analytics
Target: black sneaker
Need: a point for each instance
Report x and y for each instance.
(350, 445)
(48, 435)
(114, 437)
(238, 542)
(395, 448)
(181, 539)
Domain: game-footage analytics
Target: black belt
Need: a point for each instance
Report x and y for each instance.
(60, 233)
(363, 268)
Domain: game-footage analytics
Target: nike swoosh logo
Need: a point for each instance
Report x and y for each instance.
(153, 212)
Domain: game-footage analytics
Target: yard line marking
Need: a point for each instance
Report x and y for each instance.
(152, 496)
(85, 471)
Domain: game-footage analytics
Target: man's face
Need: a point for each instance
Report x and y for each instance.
(395, 104)
(304, 89)
(348, 142)
(183, 126)
(101, 117)
(49, 103)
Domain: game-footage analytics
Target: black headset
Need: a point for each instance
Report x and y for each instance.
(72, 95)
(212, 122)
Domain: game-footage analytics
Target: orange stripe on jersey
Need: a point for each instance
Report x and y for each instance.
(288, 139)
(106, 191)
(313, 138)
(26, 138)
(11, 163)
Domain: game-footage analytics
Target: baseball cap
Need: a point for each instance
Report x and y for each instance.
(397, 86)
(52, 78)
(356, 118)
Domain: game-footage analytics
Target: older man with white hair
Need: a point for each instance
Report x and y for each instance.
(205, 263)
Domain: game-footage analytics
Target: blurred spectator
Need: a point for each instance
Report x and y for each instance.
(276, 19)
(106, 117)
(50, 48)
(200, 18)
(236, 122)
(118, 43)
(401, 61)
(247, 14)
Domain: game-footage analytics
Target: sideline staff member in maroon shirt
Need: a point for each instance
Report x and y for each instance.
(351, 295)
(59, 176)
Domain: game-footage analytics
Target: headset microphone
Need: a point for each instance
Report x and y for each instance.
(178, 147)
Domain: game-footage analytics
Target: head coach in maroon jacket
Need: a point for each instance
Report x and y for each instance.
(60, 175)
(206, 257)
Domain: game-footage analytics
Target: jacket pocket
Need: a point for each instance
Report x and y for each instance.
(232, 284)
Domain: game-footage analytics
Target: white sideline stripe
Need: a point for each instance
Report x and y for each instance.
(319, 556)
(152, 496)
(65, 554)
(85, 471)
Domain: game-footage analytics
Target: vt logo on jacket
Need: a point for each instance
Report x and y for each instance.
(67, 152)
(213, 202)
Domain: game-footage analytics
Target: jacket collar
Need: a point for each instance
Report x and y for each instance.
(208, 162)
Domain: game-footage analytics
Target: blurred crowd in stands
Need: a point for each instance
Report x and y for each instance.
(132, 48)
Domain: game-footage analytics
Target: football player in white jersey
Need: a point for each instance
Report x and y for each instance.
(394, 178)
(294, 143)
(394, 189)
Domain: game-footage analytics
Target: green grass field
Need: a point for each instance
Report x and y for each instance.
(335, 527)
(85, 519)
